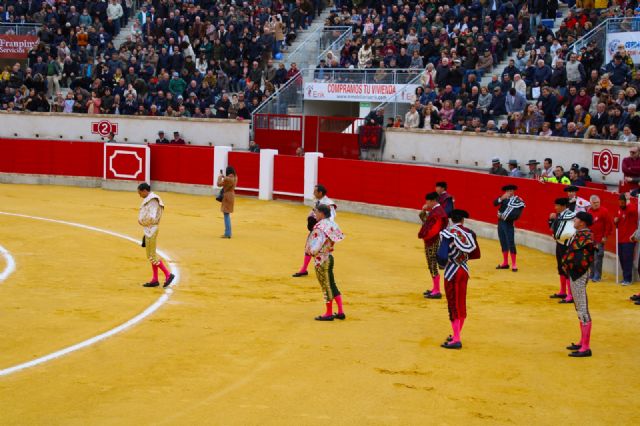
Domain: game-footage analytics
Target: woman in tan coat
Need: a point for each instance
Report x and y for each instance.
(228, 184)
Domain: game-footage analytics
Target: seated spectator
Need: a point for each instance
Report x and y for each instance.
(177, 140)
(574, 177)
(161, 139)
(627, 136)
(546, 129)
(299, 152)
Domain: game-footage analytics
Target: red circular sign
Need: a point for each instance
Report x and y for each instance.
(605, 162)
(104, 128)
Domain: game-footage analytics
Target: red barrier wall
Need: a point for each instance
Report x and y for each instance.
(288, 174)
(51, 157)
(247, 165)
(401, 185)
(182, 164)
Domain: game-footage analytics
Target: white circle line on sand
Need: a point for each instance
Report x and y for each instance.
(10, 264)
(133, 321)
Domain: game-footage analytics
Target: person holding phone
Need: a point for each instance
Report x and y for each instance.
(227, 181)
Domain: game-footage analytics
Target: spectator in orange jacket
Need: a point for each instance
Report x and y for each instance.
(601, 230)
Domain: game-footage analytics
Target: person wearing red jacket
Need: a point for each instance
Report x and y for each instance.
(434, 219)
(601, 230)
(626, 221)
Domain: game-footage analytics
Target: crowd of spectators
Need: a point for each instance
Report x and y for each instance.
(195, 58)
(546, 89)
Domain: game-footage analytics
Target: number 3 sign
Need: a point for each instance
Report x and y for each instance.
(606, 162)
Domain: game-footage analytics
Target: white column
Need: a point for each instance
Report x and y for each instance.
(310, 173)
(220, 162)
(267, 159)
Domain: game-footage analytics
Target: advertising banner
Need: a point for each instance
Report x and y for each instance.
(16, 46)
(630, 41)
(359, 92)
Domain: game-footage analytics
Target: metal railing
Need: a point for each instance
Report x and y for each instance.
(397, 105)
(286, 100)
(367, 76)
(599, 33)
(317, 45)
(20, 29)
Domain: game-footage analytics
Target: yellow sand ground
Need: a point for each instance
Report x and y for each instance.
(237, 344)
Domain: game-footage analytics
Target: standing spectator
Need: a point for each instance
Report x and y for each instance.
(161, 139)
(412, 118)
(222, 106)
(227, 182)
(602, 228)
(534, 170)
(514, 170)
(626, 221)
(515, 102)
(177, 140)
(496, 168)
(547, 168)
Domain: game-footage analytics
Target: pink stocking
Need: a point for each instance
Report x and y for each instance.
(164, 269)
(338, 300)
(305, 265)
(569, 295)
(505, 258)
(329, 310)
(563, 285)
(513, 261)
(155, 273)
(455, 325)
(436, 285)
(586, 336)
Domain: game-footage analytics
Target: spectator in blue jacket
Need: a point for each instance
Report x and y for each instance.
(515, 102)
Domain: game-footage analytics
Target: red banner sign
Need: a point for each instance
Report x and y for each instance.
(606, 162)
(16, 46)
(127, 162)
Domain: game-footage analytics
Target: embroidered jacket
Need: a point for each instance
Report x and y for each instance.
(321, 240)
(433, 221)
(579, 255)
(150, 213)
(446, 201)
(578, 204)
(510, 209)
(456, 247)
(562, 226)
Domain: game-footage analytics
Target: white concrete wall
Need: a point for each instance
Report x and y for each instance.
(131, 129)
(469, 150)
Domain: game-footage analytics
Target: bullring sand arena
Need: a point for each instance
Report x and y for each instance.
(236, 343)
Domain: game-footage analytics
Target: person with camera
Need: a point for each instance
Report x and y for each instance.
(227, 182)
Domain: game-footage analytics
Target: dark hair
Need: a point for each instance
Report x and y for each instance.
(324, 209)
(458, 216)
(549, 160)
(321, 189)
(442, 185)
(431, 196)
(144, 187)
(230, 171)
